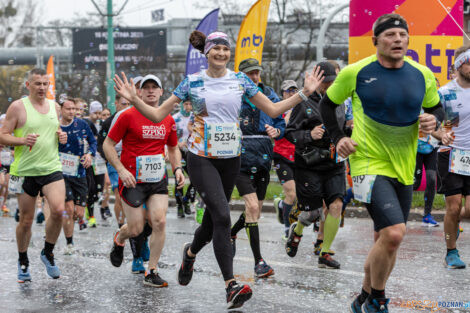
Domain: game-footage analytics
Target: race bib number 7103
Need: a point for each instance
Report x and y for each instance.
(362, 187)
(150, 168)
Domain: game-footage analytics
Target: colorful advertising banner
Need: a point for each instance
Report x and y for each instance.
(195, 61)
(250, 40)
(435, 28)
(50, 73)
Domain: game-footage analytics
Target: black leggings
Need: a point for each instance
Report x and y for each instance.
(214, 180)
(430, 164)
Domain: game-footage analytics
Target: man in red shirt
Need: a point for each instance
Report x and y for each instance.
(142, 175)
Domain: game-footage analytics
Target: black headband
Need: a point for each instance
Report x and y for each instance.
(390, 23)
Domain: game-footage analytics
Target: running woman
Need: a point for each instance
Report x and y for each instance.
(258, 129)
(284, 164)
(142, 175)
(387, 91)
(34, 122)
(214, 146)
(454, 158)
(74, 160)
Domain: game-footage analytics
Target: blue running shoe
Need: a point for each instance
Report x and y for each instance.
(262, 270)
(40, 218)
(376, 305)
(51, 268)
(453, 260)
(145, 252)
(23, 272)
(138, 266)
(429, 221)
(355, 307)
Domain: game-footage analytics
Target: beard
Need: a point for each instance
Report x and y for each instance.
(465, 76)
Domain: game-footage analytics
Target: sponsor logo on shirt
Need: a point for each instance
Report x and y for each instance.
(368, 81)
(153, 132)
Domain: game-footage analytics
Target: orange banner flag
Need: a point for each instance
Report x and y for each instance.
(50, 73)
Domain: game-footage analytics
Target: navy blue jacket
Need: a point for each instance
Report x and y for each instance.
(257, 153)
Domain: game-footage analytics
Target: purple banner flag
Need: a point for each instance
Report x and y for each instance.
(195, 61)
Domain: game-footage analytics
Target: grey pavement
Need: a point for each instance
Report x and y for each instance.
(89, 283)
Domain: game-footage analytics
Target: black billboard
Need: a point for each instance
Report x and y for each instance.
(138, 48)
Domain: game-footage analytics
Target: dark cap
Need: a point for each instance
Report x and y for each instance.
(249, 65)
(329, 71)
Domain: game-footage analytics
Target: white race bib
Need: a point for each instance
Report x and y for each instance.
(362, 187)
(99, 165)
(5, 157)
(15, 185)
(222, 139)
(459, 162)
(70, 163)
(150, 168)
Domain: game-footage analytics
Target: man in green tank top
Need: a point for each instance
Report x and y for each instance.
(37, 168)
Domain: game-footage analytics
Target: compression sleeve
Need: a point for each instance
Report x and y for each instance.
(328, 115)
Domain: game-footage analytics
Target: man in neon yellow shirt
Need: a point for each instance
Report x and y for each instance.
(388, 92)
(36, 168)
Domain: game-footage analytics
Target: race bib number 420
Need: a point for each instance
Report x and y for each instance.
(222, 140)
(150, 168)
(362, 187)
(459, 162)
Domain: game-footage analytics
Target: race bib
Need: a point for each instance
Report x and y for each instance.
(99, 165)
(222, 139)
(5, 157)
(362, 187)
(70, 163)
(15, 185)
(459, 162)
(150, 168)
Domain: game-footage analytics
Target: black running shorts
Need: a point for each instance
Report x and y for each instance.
(253, 183)
(137, 196)
(76, 190)
(284, 168)
(448, 183)
(32, 185)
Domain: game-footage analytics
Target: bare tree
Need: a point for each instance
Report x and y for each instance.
(13, 16)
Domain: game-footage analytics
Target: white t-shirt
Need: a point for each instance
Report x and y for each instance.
(456, 102)
(214, 101)
(181, 126)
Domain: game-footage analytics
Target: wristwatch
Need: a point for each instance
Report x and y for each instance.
(302, 95)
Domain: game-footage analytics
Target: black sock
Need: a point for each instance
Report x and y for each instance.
(362, 297)
(48, 247)
(377, 294)
(136, 245)
(23, 257)
(239, 224)
(448, 250)
(147, 230)
(253, 236)
(319, 242)
(69, 240)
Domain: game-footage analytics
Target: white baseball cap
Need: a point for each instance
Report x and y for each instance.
(150, 77)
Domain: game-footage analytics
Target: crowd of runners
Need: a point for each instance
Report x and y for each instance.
(365, 132)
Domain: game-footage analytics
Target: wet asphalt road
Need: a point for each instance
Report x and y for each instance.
(89, 283)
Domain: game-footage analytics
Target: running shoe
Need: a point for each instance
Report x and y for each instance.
(153, 279)
(103, 215)
(429, 221)
(117, 252)
(453, 260)
(17, 215)
(23, 272)
(376, 305)
(237, 295)
(92, 222)
(233, 242)
(263, 270)
(180, 211)
(279, 212)
(5, 210)
(293, 241)
(187, 208)
(107, 212)
(355, 306)
(185, 272)
(145, 252)
(459, 230)
(82, 225)
(52, 269)
(69, 249)
(326, 261)
(40, 218)
(317, 249)
(138, 266)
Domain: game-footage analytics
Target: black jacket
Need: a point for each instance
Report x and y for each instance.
(305, 117)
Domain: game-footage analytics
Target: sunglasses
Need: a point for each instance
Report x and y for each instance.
(291, 90)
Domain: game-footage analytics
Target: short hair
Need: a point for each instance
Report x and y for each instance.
(335, 64)
(386, 17)
(108, 109)
(461, 50)
(62, 101)
(36, 71)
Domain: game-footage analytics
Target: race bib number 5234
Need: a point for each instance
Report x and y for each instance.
(222, 139)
